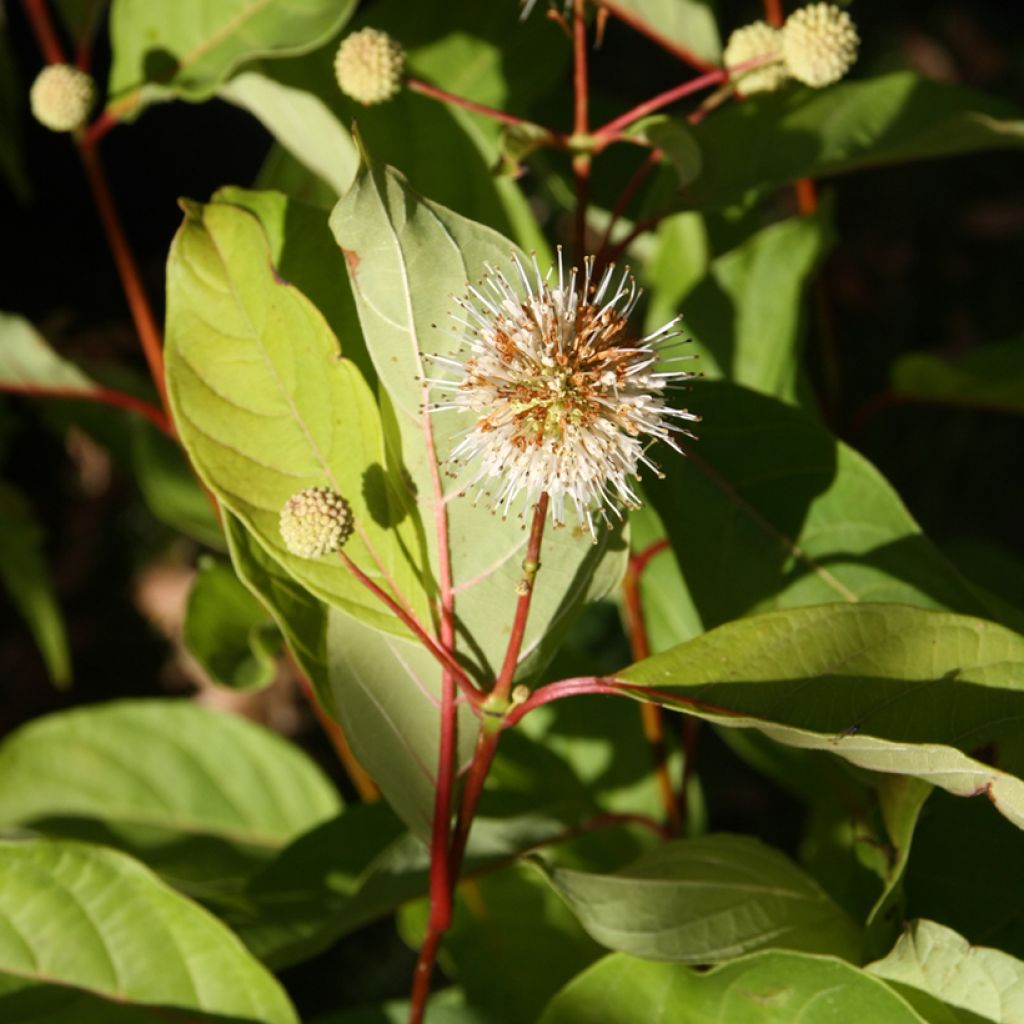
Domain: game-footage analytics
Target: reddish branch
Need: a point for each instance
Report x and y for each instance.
(773, 13)
(45, 32)
(106, 396)
(580, 125)
(628, 18)
(437, 93)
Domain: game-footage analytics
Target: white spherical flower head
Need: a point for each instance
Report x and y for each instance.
(369, 66)
(61, 97)
(819, 44)
(314, 522)
(564, 400)
(756, 42)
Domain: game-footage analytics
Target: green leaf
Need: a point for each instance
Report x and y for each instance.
(680, 26)
(444, 1007)
(770, 511)
(228, 631)
(765, 988)
(26, 577)
(200, 795)
(266, 405)
(747, 314)
(991, 377)
(28, 364)
(407, 257)
(935, 960)
(185, 49)
(704, 900)
(887, 119)
(91, 918)
(887, 687)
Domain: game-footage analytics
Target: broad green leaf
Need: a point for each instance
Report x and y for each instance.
(186, 48)
(686, 28)
(90, 918)
(747, 314)
(198, 794)
(228, 631)
(28, 364)
(764, 988)
(770, 511)
(508, 927)
(170, 488)
(991, 377)
(301, 122)
(890, 688)
(266, 405)
(26, 578)
(932, 959)
(444, 1007)
(680, 258)
(704, 900)
(887, 119)
(407, 257)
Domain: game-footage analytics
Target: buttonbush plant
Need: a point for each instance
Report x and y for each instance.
(509, 408)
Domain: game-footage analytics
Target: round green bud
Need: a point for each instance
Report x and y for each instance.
(819, 44)
(369, 66)
(61, 97)
(757, 41)
(315, 521)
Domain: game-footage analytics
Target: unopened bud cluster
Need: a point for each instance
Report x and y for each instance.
(61, 97)
(314, 522)
(369, 66)
(817, 46)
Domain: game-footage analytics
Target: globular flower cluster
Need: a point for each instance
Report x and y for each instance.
(564, 400)
(817, 45)
(315, 521)
(370, 66)
(61, 97)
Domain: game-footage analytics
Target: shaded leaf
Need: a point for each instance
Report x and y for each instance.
(27, 362)
(886, 119)
(765, 988)
(704, 900)
(202, 796)
(26, 578)
(932, 959)
(887, 687)
(228, 631)
(187, 48)
(686, 26)
(91, 918)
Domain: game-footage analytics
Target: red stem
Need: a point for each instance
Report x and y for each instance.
(45, 31)
(437, 93)
(107, 396)
(706, 81)
(628, 18)
(581, 121)
(635, 181)
(531, 564)
(773, 13)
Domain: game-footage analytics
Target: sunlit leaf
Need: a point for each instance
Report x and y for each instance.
(683, 27)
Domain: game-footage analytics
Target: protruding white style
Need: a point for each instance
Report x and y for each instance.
(564, 400)
(315, 522)
(370, 66)
(819, 44)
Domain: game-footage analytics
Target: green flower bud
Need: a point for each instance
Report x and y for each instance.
(369, 66)
(62, 97)
(316, 521)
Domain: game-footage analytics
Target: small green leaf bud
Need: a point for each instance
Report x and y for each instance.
(369, 66)
(754, 42)
(316, 521)
(61, 97)
(819, 44)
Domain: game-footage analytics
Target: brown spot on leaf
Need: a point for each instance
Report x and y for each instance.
(277, 276)
(352, 258)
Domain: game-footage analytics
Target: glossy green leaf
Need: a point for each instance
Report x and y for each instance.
(932, 959)
(764, 988)
(887, 119)
(90, 918)
(680, 26)
(266, 405)
(26, 578)
(704, 900)
(407, 257)
(198, 794)
(228, 631)
(991, 377)
(890, 688)
(186, 48)
(770, 511)
(746, 316)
